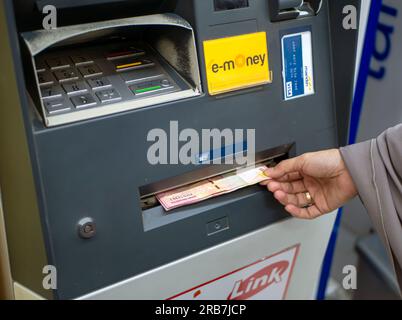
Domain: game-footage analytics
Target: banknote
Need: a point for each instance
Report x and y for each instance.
(213, 187)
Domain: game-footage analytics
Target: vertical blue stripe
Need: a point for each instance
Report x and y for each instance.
(368, 49)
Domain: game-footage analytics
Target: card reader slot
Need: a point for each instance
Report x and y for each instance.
(281, 10)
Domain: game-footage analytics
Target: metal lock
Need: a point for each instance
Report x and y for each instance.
(86, 228)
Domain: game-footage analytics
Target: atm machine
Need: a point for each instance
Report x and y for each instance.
(78, 103)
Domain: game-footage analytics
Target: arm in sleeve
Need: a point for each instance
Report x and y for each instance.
(376, 169)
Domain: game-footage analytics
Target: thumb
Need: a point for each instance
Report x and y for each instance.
(285, 167)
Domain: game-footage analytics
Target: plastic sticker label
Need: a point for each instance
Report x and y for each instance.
(237, 62)
(297, 63)
(265, 279)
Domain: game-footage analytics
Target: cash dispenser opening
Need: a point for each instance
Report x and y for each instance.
(155, 212)
(83, 71)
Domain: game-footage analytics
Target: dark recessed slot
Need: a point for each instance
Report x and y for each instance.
(148, 192)
(223, 5)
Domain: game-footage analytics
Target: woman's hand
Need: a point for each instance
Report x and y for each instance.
(321, 175)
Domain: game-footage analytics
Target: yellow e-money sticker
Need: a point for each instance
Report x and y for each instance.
(238, 62)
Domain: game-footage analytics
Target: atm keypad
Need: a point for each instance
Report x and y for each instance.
(83, 101)
(140, 75)
(67, 74)
(124, 53)
(89, 78)
(133, 63)
(40, 66)
(81, 59)
(99, 83)
(91, 70)
(45, 78)
(56, 106)
(51, 92)
(151, 87)
(165, 83)
(58, 63)
(75, 87)
(108, 95)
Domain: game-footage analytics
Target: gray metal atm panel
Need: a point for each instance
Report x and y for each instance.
(95, 168)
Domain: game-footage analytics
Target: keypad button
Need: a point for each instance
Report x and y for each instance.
(51, 92)
(99, 83)
(75, 87)
(68, 74)
(83, 101)
(45, 78)
(150, 87)
(109, 95)
(141, 75)
(132, 64)
(81, 59)
(165, 83)
(90, 71)
(124, 53)
(58, 63)
(56, 106)
(40, 66)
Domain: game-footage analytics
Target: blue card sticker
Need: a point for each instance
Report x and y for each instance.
(297, 63)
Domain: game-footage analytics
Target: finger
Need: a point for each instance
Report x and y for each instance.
(285, 199)
(303, 213)
(293, 176)
(288, 187)
(299, 199)
(285, 167)
(265, 182)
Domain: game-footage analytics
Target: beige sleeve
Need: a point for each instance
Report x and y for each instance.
(376, 169)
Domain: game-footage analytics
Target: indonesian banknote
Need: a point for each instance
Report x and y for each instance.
(209, 188)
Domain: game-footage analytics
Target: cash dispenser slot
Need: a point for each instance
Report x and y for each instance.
(84, 71)
(153, 213)
(281, 10)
